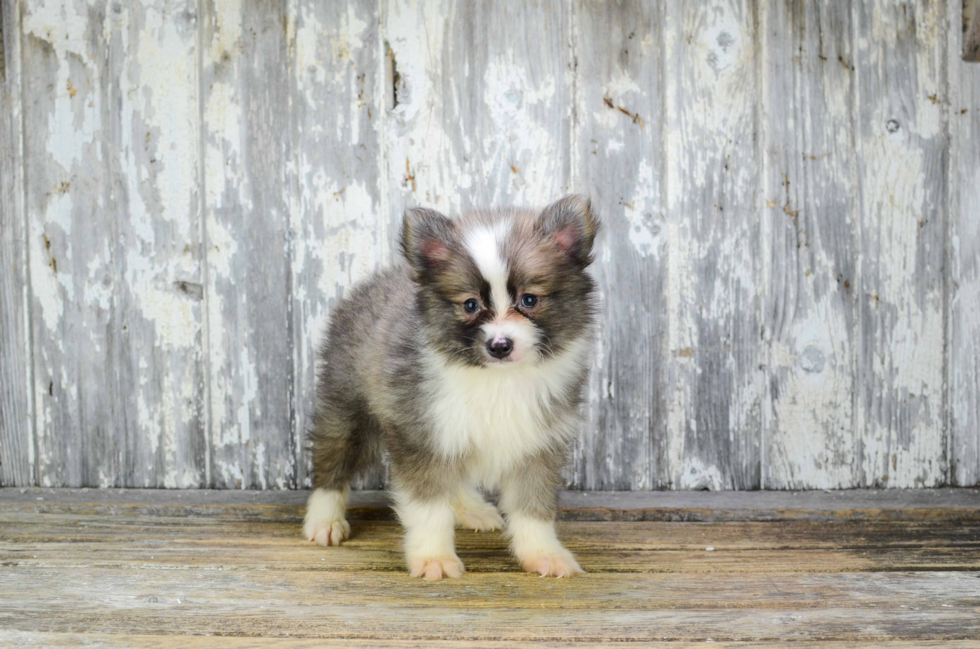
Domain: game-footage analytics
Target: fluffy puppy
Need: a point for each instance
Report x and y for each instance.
(468, 366)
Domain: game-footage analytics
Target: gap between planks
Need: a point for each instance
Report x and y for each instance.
(693, 506)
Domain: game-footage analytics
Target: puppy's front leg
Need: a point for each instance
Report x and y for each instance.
(529, 499)
(430, 537)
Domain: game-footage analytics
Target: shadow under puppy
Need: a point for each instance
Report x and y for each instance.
(468, 367)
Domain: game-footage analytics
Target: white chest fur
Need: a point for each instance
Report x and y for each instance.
(494, 417)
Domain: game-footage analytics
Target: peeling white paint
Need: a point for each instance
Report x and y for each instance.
(512, 101)
(166, 98)
(697, 475)
(712, 99)
(815, 386)
(440, 147)
(435, 157)
(900, 418)
(222, 250)
(247, 403)
(963, 370)
(44, 281)
(227, 33)
(75, 121)
(644, 222)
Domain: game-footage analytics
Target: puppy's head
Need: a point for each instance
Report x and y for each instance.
(506, 287)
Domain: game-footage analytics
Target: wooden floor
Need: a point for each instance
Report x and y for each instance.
(166, 569)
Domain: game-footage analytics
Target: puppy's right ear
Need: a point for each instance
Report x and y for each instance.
(427, 240)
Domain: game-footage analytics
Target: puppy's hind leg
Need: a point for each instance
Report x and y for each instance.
(475, 513)
(325, 522)
(344, 441)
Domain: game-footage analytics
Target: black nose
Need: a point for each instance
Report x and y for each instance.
(500, 347)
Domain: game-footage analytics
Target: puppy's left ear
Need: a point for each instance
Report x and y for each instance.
(573, 226)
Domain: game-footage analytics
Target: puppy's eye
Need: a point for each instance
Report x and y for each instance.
(529, 301)
(471, 306)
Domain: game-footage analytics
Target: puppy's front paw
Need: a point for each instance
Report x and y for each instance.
(326, 533)
(559, 564)
(435, 568)
(481, 518)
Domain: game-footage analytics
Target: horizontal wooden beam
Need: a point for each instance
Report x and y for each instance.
(700, 506)
(971, 30)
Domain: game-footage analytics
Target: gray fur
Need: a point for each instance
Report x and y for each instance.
(368, 394)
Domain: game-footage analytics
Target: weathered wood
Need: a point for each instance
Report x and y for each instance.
(971, 28)
(3, 58)
(700, 506)
(48, 640)
(245, 97)
(811, 212)
(50, 163)
(337, 220)
(222, 530)
(376, 546)
(712, 148)
(111, 168)
(963, 249)
(762, 583)
(76, 432)
(152, 112)
(482, 104)
(528, 627)
(700, 587)
(901, 160)
(789, 270)
(16, 409)
(618, 156)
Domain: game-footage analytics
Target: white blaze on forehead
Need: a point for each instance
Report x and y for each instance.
(484, 245)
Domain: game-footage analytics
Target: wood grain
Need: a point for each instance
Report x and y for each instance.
(481, 111)
(902, 163)
(77, 436)
(3, 58)
(156, 310)
(110, 155)
(245, 97)
(893, 505)
(971, 28)
(188, 532)
(48, 640)
(789, 272)
(16, 409)
(618, 154)
(337, 222)
(712, 121)
(963, 249)
(811, 212)
(184, 577)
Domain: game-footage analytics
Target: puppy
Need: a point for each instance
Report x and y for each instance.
(468, 366)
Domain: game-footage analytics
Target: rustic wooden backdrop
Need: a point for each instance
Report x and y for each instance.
(790, 269)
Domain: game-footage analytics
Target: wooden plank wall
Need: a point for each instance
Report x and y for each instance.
(16, 423)
(811, 214)
(963, 249)
(790, 269)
